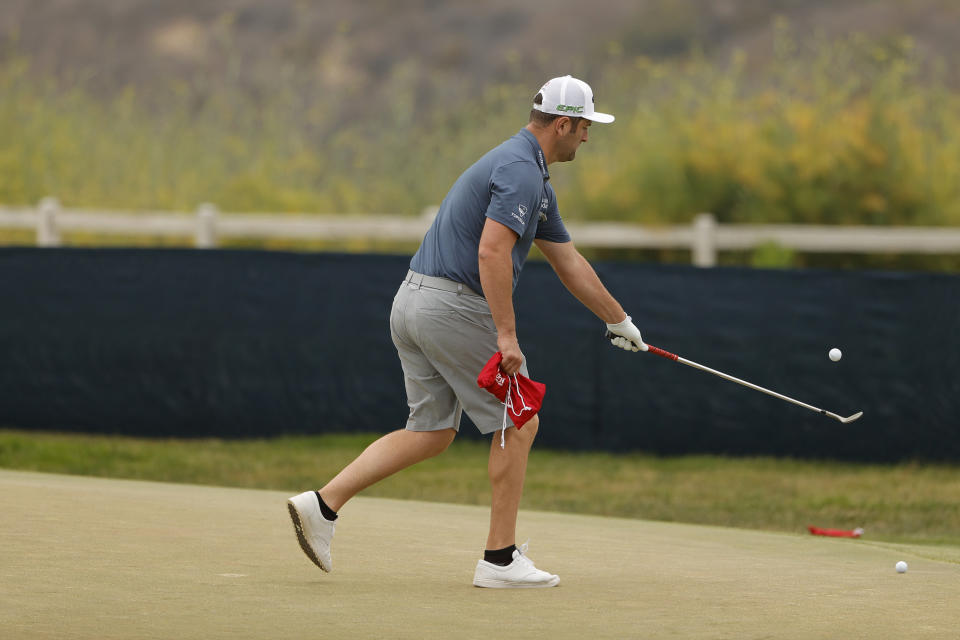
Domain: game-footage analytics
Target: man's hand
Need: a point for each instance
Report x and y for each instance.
(626, 336)
(512, 356)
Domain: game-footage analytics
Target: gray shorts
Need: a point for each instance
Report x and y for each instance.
(444, 334)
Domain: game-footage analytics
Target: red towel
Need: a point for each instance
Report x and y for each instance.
(526, 395)
(836, 533)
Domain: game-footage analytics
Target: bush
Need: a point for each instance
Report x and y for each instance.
(837, 132)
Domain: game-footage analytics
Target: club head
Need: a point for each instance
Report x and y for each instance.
(850, 419)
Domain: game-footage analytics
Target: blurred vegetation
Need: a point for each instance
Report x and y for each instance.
(833, 132)
(822, 130)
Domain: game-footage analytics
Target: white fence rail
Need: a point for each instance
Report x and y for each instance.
(704, 237)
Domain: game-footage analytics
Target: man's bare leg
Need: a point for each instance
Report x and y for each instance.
(391, 453)
(502, 565)
(507, 469)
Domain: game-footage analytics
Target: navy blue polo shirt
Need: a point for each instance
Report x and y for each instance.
(510, 185)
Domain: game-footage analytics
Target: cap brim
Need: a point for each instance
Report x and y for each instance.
(596, 116)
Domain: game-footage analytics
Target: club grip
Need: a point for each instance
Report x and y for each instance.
(662, 353)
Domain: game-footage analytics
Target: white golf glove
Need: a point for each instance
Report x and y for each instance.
(626, 336)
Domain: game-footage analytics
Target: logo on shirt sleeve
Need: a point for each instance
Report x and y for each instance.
(521, 213)
(543, 209)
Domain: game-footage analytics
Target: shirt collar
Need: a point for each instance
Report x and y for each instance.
(537, 152)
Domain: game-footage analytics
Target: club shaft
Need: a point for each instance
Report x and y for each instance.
(690, 363)
(757, 387)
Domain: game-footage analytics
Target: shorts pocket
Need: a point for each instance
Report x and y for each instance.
(447, 312)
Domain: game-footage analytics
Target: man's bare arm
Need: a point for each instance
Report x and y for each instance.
(578, 276)
(496, 278)
(581, 280)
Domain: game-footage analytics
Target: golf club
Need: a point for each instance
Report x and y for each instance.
(672, 356)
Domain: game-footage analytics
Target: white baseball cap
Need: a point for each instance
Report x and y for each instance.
(567, 96)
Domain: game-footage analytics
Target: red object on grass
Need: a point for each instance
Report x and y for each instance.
(836, 533)
(526, 395)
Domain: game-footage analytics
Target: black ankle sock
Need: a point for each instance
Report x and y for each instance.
(501, 557)
(327, 512)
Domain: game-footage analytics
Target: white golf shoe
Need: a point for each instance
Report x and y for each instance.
(519, 574)
(313, 530)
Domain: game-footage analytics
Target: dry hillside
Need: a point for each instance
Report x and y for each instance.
(358, 48)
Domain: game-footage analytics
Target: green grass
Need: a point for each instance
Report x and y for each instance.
(915, 503)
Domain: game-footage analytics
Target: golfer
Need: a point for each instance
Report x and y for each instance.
(454, 310)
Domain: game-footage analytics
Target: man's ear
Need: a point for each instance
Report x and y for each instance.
(562, 125)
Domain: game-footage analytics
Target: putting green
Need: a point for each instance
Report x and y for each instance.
(94, 558)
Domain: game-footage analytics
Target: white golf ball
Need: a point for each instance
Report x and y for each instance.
(901, 567)
(835, 354)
